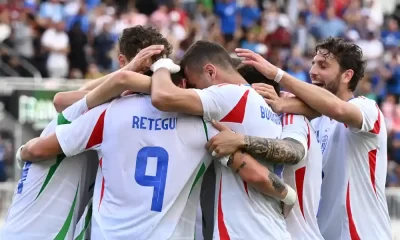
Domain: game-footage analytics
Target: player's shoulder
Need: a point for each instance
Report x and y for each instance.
(227, 87)
(364, 101)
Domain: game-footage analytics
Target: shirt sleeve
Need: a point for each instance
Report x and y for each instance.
(297, 128)
(85, 133)
(218, 100)
(73, 112)
(371, 115)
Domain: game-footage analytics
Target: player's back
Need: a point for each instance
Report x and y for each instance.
(242, 212)
(305, 178)
(150, 164)
(47, 199)
(353, 203)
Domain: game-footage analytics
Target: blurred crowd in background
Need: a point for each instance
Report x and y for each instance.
(77, 39)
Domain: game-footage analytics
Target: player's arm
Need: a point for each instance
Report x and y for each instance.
(116, 85)
(259, 177)
(289, 150)
(83, 134)
(62, 100)
(296, 106)
(316, 97)
(167, 97)
(137, 64)
(284, 104)
(324, 101)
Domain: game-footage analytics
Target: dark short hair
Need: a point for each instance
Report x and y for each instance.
(177, 78)
(347, 54)
(252, 75)
(136, 38)
(236, 62)
(203, 52)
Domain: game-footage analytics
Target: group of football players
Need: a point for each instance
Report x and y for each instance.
(145, 151)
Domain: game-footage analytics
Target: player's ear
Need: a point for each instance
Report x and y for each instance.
(122, 60)
(210, 70)
(183, 83)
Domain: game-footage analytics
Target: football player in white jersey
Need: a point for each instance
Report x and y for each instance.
(302, 170)
(353, 139)
(303, 165)
(45, 201)
(207, 64)
(41, 181)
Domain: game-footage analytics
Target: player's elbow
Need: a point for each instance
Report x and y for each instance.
(121, 79)
(36, 152)
(58, 102)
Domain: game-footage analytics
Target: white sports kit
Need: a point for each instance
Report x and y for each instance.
(151, 166)
(304, 177)
(51, 195)
(241, 211)
(353, 203)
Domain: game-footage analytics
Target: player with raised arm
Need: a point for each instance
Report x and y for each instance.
(298, 149)
(209, 67)
(353, 139)
(70, 183)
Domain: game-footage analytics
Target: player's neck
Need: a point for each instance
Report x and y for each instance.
(345, 95)
(233, 78)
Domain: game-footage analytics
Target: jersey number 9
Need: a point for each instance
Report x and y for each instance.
(157, 181)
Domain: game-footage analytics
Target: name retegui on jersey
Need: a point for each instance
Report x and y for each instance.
(155, 124)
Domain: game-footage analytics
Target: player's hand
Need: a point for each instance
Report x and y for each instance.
(165, 63)
(143, 60)
(286, 94)
(224, 143)
(257, 61)
(270, 96)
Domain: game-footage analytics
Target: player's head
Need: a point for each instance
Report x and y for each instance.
(252, 75)
(338, 66)
(206, 63)
(136, 38)
(178, 79)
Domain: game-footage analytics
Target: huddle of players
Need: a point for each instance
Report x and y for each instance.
(137, 198)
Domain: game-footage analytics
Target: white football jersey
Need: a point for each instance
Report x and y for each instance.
(304, 177)
(241, 211)
(51, 195)
(353, 203)
(151, 167)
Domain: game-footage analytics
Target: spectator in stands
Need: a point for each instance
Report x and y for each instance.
(391, 36)
(102, 45)
(332, 26)
(78, 41)
(228, 12)
(51, 10)
(55, 41)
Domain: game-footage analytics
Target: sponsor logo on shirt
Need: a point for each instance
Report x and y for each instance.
(324, 142)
